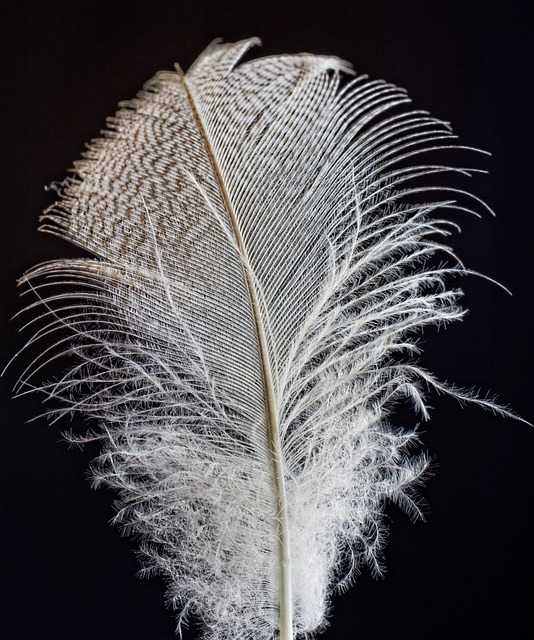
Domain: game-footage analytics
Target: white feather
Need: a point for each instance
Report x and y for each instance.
(247, 325)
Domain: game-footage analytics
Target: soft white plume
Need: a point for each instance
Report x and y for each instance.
(248, 324)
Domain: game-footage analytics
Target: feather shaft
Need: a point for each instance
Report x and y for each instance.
(286, 600)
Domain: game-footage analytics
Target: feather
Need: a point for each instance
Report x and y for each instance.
(248, 322)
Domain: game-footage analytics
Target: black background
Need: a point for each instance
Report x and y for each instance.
(464, 573)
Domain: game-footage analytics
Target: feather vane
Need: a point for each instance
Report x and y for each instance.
(248, 323)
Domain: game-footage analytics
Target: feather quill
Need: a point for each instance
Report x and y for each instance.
(248, 322)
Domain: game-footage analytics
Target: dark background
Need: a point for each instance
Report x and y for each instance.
(467, 571)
